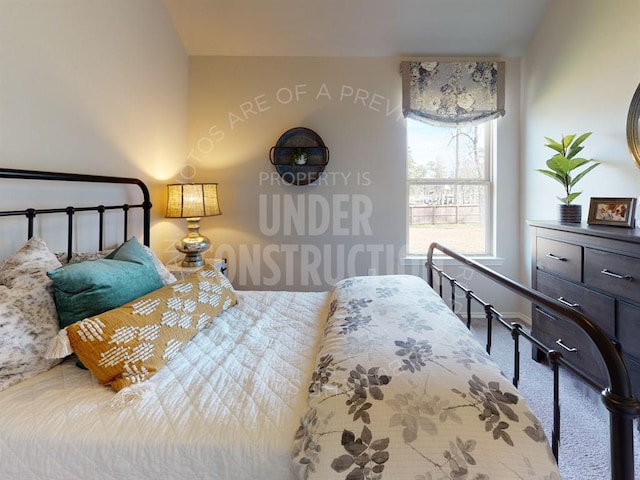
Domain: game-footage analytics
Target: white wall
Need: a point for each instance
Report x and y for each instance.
(579, 74)
(92, 86)
(239, 107)
(105, 87)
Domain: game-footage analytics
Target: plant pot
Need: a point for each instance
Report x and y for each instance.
(570, 213)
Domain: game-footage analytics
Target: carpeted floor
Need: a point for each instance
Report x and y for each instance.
(584, 449)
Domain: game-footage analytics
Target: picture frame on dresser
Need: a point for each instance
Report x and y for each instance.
(614, 211)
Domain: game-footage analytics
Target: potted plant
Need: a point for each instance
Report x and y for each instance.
(299, 157)
(563, 168)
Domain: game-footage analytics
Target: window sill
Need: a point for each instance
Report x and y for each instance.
(486, 260)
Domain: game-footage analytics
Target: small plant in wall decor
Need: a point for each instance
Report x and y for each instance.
(567, 169)
(299, 157)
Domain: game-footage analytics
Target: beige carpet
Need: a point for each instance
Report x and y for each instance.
(584, 448)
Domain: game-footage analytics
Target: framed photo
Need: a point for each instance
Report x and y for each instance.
(619, 212)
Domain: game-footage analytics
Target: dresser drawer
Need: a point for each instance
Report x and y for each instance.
(583, 355)
(564, 259)
(600, 308)
(629, 328)
(613, 273)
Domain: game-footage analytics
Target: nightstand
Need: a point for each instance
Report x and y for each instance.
(180, 272)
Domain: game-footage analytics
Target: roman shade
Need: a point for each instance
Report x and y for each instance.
(453, 92)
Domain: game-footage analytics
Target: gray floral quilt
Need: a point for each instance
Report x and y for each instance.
(402, 390)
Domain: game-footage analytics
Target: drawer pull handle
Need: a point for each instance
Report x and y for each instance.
(557, 257)
(567, 303)
(615, 275)
(568, 349)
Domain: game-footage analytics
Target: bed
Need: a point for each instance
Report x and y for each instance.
(375, 378)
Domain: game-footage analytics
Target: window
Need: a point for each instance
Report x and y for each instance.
(449, 185)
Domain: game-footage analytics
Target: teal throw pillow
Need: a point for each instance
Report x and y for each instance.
(89, 288)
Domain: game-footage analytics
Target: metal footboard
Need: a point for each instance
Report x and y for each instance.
(618, 398)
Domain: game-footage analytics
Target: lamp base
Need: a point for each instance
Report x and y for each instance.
(193, 245)
(193, 260)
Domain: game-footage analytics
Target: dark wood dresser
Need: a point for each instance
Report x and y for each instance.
(595, 269)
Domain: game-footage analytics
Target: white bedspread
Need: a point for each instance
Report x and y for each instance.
(194, 419)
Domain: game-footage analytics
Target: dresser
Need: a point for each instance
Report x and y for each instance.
(596, 270)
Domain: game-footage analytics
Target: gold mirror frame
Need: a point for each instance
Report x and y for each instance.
(633, 127)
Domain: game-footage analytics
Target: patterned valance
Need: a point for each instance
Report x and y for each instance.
(453, 93)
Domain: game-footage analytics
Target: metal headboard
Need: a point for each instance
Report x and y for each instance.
(31, 213)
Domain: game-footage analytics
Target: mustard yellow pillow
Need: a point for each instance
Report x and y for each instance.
(131, 343)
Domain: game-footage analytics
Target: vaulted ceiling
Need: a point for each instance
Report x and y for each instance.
(356, 28)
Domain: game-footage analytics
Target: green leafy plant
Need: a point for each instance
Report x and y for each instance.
(563, 164)
(299, 157)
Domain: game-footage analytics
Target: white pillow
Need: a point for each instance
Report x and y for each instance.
(28, 318)
(165, 275)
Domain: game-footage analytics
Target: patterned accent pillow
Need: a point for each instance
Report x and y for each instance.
(81, 256)
(28, 265)
(131, 343)
(28, 318)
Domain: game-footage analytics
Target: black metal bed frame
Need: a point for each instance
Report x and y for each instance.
(31, 213)
(618, 397)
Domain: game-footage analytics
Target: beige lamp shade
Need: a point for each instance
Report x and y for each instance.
(192, 201)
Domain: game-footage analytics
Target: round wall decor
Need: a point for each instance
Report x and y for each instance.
(299, 156)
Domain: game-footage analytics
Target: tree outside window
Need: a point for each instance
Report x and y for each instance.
(449, 185)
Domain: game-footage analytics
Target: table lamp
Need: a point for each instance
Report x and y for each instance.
(192, 201)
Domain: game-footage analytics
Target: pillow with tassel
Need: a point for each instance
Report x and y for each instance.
(128, 345)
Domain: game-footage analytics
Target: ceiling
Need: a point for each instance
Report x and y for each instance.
(356, 28)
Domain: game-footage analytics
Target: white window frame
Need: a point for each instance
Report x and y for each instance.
(490, 207)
